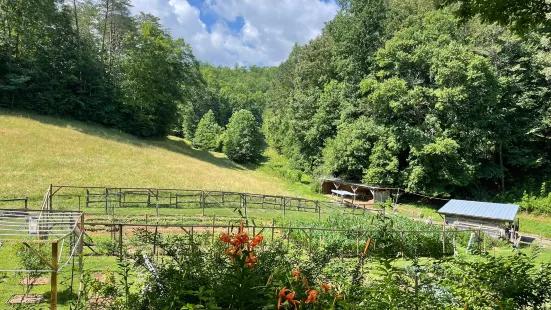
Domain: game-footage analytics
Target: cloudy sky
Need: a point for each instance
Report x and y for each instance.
(247, 32)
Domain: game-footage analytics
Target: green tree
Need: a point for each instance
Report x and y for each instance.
(243, 141)
(207, 133)
(151, 100)
(521, 16)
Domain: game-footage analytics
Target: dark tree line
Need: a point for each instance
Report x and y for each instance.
(95, 62)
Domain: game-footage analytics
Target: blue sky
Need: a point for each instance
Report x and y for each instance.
(246, 32)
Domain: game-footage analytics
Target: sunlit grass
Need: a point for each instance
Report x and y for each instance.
(37, 150)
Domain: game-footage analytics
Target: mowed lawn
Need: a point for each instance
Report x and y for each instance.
(36, 151)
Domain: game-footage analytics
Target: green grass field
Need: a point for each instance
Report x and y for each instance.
(38, 150)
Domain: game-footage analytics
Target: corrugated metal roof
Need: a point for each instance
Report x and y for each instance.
(484, 210)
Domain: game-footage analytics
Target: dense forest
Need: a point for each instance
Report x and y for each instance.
(433, 96)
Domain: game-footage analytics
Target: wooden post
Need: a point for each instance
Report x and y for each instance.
(53, 280)
(50, 197)
(176, 197)
(444, 238)
(148, 198)
(26, 203)
(87, 197)
(357, 243)
(245, 205)
(284, 206)
(213, 223)
(479, 235)
(319, 210)
(121, 254)
(81, 243)
(157, 202)
(106, 207)
(454, 247)
(202, 203)
(273, 224)
(262, 202)
(155, 241)
(310, 240)
(402, 243)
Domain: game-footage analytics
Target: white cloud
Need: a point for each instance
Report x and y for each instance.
(269, 32)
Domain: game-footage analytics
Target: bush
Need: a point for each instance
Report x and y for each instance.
(538, 204)
(207, 133)
(243, 141)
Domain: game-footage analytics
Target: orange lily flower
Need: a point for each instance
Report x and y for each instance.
(288, 295)
(256, 240)
(225, 238)
(326, 287)
(312, 296)
(296, 274)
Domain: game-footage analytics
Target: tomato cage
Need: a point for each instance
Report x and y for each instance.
(64, 230)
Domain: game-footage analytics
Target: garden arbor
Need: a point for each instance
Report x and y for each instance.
(63, 230)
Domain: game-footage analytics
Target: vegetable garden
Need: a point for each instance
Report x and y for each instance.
(339, 261)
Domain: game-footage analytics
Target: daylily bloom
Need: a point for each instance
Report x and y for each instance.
(256, 240)
(225, 238)
(326, 287)
(287, 294)
(312, 296)
(296, 274)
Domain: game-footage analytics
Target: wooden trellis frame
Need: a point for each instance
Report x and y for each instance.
(31, 227)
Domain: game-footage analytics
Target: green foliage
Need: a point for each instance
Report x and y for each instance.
(243, 137)
(410, 96)
(522, 17)
(208, 133)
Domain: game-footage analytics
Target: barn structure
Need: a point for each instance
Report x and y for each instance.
(496, 219)
(357, 192)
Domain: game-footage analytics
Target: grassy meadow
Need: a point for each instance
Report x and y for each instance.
(38, 150)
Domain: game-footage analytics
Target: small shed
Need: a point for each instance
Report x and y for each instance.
(494, 218)
(357, 191)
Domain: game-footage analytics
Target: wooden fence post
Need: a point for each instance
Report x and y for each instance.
(244, 200)
(106, 201)
(213, 223)
(53, 279)
(87, 197)
(273, 224)
(284, 206)
(157, 203)
(50, 197)
(402, 243)
(310, 240)
(121, 254)
(319, 210)
(176, 198)
(444, 238)
(202, 202)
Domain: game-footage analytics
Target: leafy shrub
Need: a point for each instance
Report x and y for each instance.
(538, 204)
(207, 133)
(243, 138)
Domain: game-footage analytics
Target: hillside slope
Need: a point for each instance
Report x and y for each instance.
(36, 151)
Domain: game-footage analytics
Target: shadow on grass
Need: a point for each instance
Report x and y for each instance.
(176, 145)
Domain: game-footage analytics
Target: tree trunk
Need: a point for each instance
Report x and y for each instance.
(104, 29)
(502, 170)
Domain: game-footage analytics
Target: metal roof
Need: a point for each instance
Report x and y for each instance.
(479, 209)
(344, 182)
